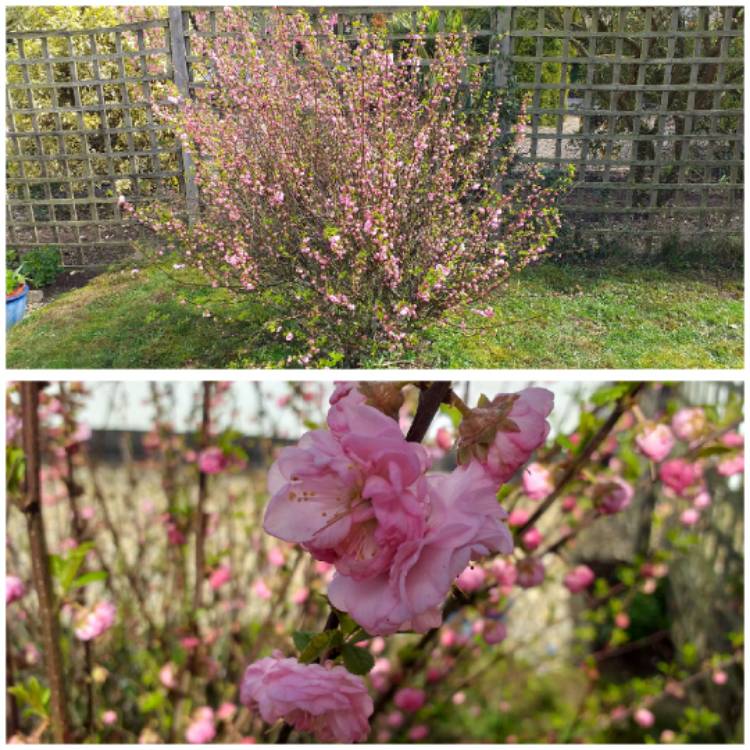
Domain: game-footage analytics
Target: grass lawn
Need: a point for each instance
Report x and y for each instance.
(598, 315)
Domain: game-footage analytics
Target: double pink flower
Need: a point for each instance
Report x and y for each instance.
(358, 496)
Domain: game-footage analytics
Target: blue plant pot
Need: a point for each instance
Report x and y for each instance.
(15, 306)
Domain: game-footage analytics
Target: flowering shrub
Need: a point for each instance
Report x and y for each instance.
(375, 579)
(362, 186)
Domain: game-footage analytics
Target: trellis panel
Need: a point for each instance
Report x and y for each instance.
(646, 103)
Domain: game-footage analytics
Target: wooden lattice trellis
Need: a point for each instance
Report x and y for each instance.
(647, 103)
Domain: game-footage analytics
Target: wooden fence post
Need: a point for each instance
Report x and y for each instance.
(502, 47)
(182, 81)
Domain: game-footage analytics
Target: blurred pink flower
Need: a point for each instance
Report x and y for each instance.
(644, 718)
(226, 711)
(202, 728)
(394, 719)
(93, 622)
(448, 638)
(732, 440)
(331, 704)
(168, 675)
(579, 579)
(276, 557)
(88, 512)
(719, 677)
(220, 576)
(109, 717)
(189, 642)
(471, 579)
(503, 433)
(655, 442)
(612, 495)
(530, 572)
(444, 439)
(569, 503)
(689, 517)
(14, 589)
(377, 645)
(678, 474)
(537, 482)
(212, 460)
(459, 698)
(622, 620)
(702, 500)
(733, 465)
(518, 517)
(261, 590)
(409, 699)
(497, 632)
(505, 573)
(418, 732)
(300, 596)
(531, 539)
(689, 423)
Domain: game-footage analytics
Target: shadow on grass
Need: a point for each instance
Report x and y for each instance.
(594, 315)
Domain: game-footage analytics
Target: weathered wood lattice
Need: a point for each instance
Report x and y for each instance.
(646, 103)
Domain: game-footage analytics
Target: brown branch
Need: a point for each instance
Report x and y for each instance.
(200, 513)
(623, 404)
(32, 509)
(429, 402)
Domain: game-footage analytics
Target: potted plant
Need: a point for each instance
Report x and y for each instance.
(16, 295)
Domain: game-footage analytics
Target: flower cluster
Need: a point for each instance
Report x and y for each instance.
(358, 496)
(369, 194)
(92, 623)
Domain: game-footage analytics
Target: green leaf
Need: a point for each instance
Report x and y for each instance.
(317, 645)
(151, 701)
(609, 394)
(87, 578)
(302, 638)
(357, 660)
(452, 413)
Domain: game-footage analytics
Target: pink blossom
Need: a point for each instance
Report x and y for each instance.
(644, 718)
(471, 579)
(531, 539)
(276, 557)
(655, 442)
(394, 719)
(505, 572)
(220, 576)
(503, 433)
(731, 466)
(719, 677)
(689, 423)
(689, 517)
(418, 732)
(448, 638)
(409, 699)
(109, 717)
(702, 500)
(667, 735)
(300, 596)
(422, 570)
(537, 482)
(190, 642)
(168, 676)
(679, 474)
(569, 503)
(351, 496)
(518, 517)
(496, 633)
(13, 424)
(331, 704)
(530, 572)
(14, 589)
(212, 460)
(459, 698)
(612, 495)
(202, 729)
(93, 622)
(732, 440)
(579, 579)
(622, 620)
(444, 439)
(377, 646)
(226, 711)
(261, 590)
